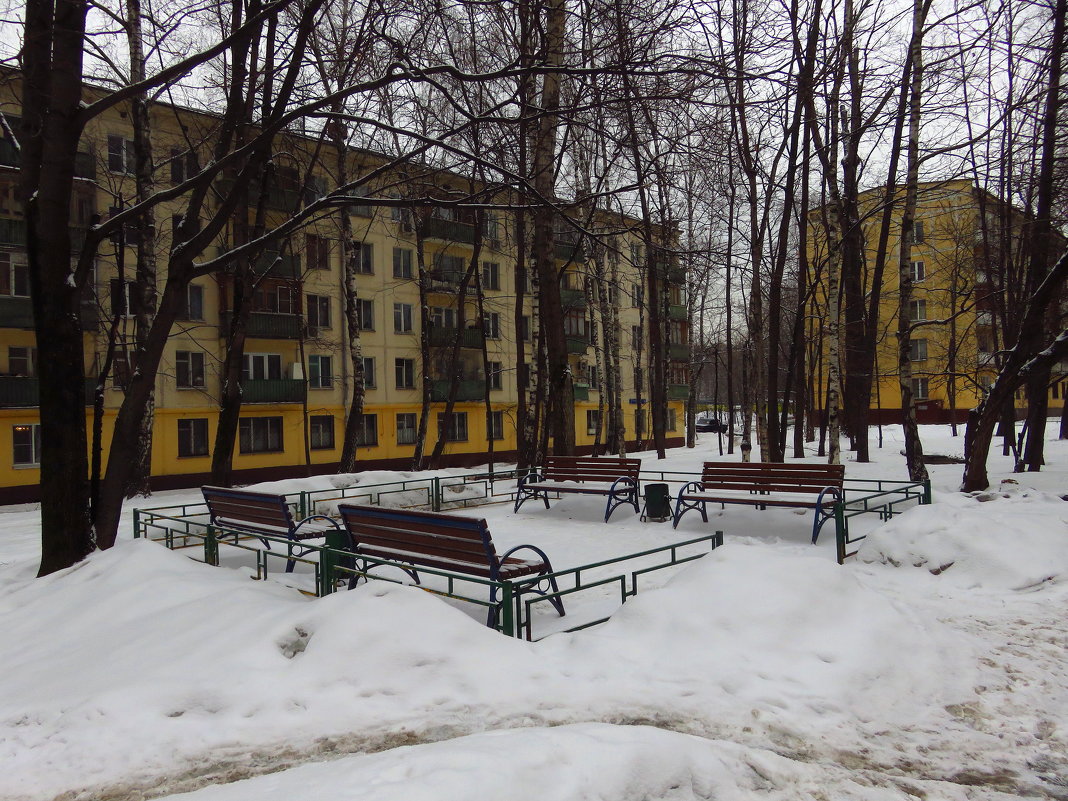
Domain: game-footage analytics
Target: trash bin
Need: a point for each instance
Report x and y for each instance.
(657, 504)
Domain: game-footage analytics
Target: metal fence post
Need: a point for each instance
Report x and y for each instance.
(926, 490)
(211, 547)
(137, 524)
(435, 490)
(508, 627)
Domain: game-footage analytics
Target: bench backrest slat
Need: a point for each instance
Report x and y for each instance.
(589, 468)
(772, 477)
(383, 532)
(248, 510)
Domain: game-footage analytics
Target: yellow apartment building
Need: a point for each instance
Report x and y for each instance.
(297, 378)
(957, 283)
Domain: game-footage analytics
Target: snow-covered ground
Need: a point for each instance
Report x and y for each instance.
(932, 667)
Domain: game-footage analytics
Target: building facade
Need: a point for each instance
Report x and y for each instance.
(297, 377)
(967, 251)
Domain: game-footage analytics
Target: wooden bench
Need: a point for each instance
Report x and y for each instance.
(446, 542)
(764, 484)
(584, 475)
(263, 514)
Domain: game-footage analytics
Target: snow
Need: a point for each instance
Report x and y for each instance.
(930, 666)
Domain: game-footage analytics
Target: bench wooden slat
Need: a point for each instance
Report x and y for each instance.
(583, 470)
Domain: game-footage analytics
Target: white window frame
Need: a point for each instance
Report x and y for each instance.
(34, 444)
(317, 378)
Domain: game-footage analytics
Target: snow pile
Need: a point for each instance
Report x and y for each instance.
(152, 660)
(1013, 540)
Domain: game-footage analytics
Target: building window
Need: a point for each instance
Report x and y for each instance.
(919, 389)
(917, 350)
(454, 425)
(193, 437)
(260, 434)
(917, 310)
(405, 373)
(22, 362)
(261, 366)
(636, 295)
(320, 375)
(406, 429)
(613, 295)
(183, 165)
(189, 368)
(14, 275)
(493, 374)
(121, 158)
(369, 372)
(917, 232)
(491, 325)
(367, 430)
(120, 371)
(524, 328)
(491, 275)
(402, 318)
(672, 422)
(443, 317)
(276, 299)
(365, 312)
(592, 379)
(318, 249)
(319, 311)
(496, 431)
(124, 298)
(364, 256)
(402, 261)
(26, 445)
(919, 271)
(321, 432)
(194, 303)
(593, 421)
(636, 337)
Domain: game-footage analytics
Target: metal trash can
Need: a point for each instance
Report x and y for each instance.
(657, 504)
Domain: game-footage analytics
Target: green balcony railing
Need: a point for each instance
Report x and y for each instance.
(265, 325)
(572, 299)
(17, 392)
(16, 312)
(445, 279)
(678, 391)
(566, 249)
(448, 230)
(679, 353)
(676, 312)
(582, 392)
(465, 391)
(443, 337)
(273, 390)
(676, 274)
(288, 266)
(577, 345)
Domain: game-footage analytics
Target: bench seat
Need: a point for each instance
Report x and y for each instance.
(452, 543)
(617, 479)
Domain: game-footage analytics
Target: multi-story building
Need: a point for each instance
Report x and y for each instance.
(962, 292)
(297, 377)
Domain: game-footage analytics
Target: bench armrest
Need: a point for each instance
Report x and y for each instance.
(693, 486)
(310, 518)
(535, 548)
(530, 478)
(625, 480)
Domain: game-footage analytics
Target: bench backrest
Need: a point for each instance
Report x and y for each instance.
(427, 538)
(589, 468)
(772, 477)
(249, 511)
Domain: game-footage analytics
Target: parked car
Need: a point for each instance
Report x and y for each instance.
(710, 424)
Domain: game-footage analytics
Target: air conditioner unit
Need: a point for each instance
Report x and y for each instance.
(296, 371)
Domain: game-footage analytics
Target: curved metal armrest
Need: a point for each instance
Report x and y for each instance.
(695, 486)
(626, 480)
(309, 518)
(530, 477)
(835, 491)
(544, 556)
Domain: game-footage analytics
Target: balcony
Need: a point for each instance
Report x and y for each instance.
(675, 274)
(678, 392)
(16, 312)
(273, 390)
(448, 230)
(678, 353)
(582, 392)
(17, 392)
(288, 266)
(572, 299)
(577, 346)
(264, 325)
(445, 280)
(465, 391)
(677, 312)
(442, 337)
(567, 248)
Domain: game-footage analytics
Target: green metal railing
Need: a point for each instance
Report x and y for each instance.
(465, 390)
(577, 345)
(679, 353)
(678, 391)
(444, 337)
(265, 325)
(16, 312)
(676, 312)
(873, 496)
(273, 390)
(572, 299)
(582, 392)
(448, 230)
